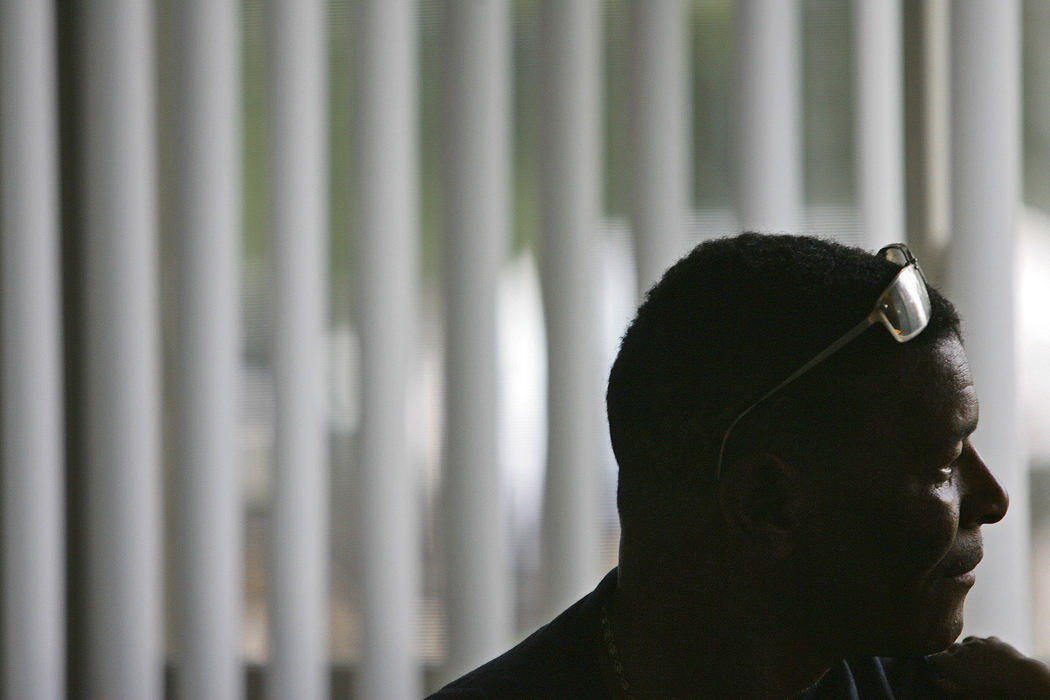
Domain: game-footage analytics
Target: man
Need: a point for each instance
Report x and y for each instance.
(799, 499)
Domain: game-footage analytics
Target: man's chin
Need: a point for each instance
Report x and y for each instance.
(920, 633)
(937, 636)
(936, 622)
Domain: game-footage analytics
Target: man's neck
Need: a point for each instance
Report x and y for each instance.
(676, 645)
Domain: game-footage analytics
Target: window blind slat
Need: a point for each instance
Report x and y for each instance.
(387, 273)
(570, 202)
(121, 354)
(767, 135)
(879, 116)
(32, 639)
(476, 231)
(661, 154)
(207, 230)
(299, 532)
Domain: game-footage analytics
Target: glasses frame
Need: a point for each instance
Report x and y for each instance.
(895, 252)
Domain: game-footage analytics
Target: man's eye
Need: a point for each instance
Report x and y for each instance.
(944, 474)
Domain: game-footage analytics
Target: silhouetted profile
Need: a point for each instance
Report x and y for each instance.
(800, 502)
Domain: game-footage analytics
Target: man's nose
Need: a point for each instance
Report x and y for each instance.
(984, 499)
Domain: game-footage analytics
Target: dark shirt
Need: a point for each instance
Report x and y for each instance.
(567, 658)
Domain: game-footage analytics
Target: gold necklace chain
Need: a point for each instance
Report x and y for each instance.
(614, 656)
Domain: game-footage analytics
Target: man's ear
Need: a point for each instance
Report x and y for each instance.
(761, 498)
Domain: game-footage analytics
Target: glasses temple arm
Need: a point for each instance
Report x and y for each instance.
(823, 355)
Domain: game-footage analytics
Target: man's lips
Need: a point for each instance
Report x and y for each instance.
(962, 564)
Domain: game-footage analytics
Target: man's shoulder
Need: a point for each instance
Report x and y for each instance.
(559, 660)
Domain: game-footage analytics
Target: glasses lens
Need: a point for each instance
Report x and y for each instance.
(897, 253)
(905, 305)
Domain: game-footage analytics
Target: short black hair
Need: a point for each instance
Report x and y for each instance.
(722, 327)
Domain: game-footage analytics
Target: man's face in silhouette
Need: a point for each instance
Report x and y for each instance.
(896, 531)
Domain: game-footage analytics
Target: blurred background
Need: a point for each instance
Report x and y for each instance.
(307, 306)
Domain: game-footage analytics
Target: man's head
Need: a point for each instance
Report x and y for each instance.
(838, 488)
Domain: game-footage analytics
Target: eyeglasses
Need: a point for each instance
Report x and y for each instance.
(903, 308)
